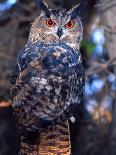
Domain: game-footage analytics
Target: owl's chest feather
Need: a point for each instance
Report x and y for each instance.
(51, 58)
(51, 77)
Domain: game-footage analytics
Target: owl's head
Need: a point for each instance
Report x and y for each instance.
(57, 26)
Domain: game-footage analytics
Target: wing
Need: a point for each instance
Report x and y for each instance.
(45, 84)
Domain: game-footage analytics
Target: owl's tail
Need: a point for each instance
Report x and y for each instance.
(54, 140)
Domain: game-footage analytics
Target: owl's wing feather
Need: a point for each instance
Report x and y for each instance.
(15, 75)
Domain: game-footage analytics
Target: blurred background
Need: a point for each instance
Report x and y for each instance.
(95, 131)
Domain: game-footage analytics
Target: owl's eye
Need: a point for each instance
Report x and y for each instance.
(70, 24)
(50, 22)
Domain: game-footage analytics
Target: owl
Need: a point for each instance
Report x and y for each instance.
(48, 79)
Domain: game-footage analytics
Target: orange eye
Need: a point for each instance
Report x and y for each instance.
(70, 24)
(50, 22)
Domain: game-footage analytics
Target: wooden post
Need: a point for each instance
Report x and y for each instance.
(54, 140)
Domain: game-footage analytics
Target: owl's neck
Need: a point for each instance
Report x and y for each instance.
(74, 46)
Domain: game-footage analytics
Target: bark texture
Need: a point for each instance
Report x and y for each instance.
(54, 140)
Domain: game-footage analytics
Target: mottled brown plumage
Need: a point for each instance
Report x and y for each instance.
(48, 81)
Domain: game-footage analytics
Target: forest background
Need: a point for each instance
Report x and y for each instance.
(95, 131)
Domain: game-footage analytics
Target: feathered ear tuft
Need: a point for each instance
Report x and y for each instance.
(43, 6)
(76, 10)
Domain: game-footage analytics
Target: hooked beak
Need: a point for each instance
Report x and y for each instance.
(59, 32)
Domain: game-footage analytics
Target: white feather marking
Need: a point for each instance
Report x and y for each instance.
(73, 119)
(43, 81)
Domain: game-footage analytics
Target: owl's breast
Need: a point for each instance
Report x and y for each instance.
(59, 58)
(54, 56)
(55, 61)
(49, 80)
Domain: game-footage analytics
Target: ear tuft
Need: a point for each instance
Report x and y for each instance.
(76, 10)
(43, 6)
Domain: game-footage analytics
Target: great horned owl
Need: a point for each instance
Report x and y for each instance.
(48, 80)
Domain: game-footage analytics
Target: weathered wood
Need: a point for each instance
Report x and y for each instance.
(54, 140)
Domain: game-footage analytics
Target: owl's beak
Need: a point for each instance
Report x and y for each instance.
(59, 32)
